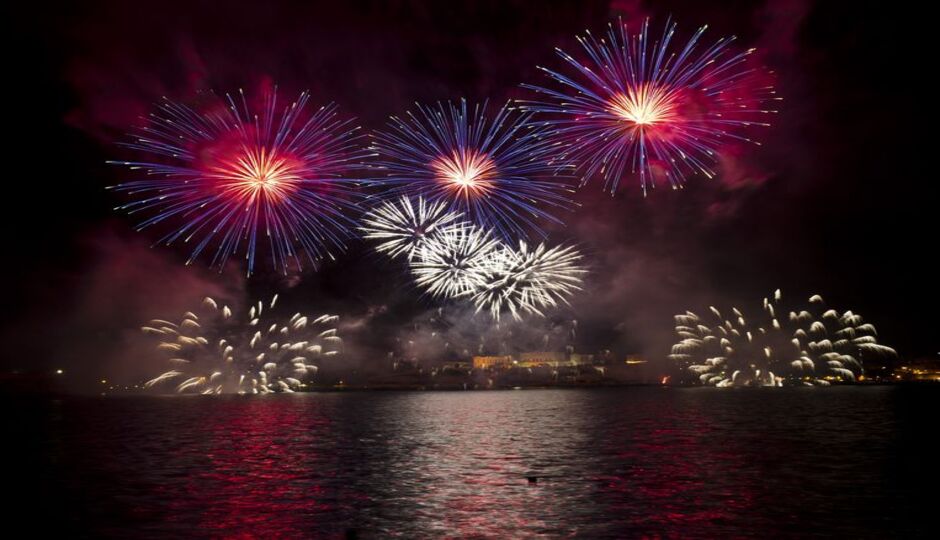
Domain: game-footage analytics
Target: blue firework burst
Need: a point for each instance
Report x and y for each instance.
(500, 171)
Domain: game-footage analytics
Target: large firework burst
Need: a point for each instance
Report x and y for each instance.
(498, 171)
(528, 280)
(651, 109)
(218, 353)
(402, 227)
(224, 177)
(456, 262)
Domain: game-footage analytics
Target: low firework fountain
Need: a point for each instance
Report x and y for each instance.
(806, 348)
(727, 350)
(832, 345)
(217, 352)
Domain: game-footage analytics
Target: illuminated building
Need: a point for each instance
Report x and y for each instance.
(920, 370)
(533, 359)
(542, 358)
(489, 362)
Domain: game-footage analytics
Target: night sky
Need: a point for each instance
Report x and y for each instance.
(839, 200)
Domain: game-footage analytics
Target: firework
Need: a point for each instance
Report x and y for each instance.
(225, 177)
(832, 345)
(499, 172)
(217, 352)
(528, 280)
(730, 352)
(403, 228)
(456, 262)
(651, 109)
(805, 348)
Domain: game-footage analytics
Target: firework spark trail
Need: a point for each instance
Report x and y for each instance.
(219, 353)
(499, 171)
(402, 228)
(225, 176)
(650, 108)
(528, 280)
(805, 348)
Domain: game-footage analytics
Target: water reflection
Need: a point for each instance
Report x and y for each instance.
(600, 463)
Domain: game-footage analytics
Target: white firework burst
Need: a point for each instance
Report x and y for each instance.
(528, 280)
(456, 262)
(402, 227)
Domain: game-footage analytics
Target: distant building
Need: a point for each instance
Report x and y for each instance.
(489, 362)
(542, 358)
(921, 369)
(533, 359)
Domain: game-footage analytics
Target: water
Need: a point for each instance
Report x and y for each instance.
(609, 463)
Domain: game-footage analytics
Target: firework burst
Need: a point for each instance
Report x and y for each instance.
(500, 172)
(218, 353)
(402, 228)
(528, 280)
(651, 109)
(225, 177)
(456, 262)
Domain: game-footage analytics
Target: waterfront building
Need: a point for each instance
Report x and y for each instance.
(490, 362)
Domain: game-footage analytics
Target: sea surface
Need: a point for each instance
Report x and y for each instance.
(590, 463)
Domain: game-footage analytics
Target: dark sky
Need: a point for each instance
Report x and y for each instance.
(838, 200)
